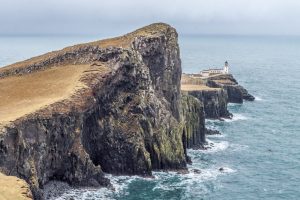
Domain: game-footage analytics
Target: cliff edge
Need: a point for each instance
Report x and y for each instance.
(215, 92)
(107, 106)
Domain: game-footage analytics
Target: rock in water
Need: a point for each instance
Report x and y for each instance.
(212, 132)
(197, 171)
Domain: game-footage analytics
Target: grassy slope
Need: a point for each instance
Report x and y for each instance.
(189, 83)
(20, 95)
(13, 188)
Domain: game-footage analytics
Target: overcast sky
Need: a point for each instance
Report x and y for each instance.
(118, 16)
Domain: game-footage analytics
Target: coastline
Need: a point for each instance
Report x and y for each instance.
(196, 104)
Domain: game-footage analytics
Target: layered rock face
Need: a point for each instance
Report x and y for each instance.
(236, 93)
(215, 102)
(215, 92)
(194, 122)
(136, 126)
(124, 115)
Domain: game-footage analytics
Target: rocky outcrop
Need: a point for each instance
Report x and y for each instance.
(215, 92)
(214, 101)
(125, 117)
(212, 132)
(236, 93)
(194, 122)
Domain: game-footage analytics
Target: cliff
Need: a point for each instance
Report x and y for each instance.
(215, 92)
(214, 99)
(107, 106)
(112, 106)
(236, 93)
(215, 102)
(194, 122)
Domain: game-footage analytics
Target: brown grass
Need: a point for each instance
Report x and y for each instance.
(20, 95)
(190, 87)
(13, 188)
(226, 81)
(121, 41)
(185, 79)
(194, 83)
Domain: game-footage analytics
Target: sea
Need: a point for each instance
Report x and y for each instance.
(259, 148)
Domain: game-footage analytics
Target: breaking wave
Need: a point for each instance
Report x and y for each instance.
(236, 117)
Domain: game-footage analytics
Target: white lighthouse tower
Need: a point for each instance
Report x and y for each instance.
(226, 68)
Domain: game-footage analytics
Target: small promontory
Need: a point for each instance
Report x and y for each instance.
(215, 92)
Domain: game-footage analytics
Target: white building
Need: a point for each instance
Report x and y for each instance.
(209, 72)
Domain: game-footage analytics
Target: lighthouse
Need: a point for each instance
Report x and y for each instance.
(226, 68)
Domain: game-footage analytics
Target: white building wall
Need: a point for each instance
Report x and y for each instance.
(206, 73)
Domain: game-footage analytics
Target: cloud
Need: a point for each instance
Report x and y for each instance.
(114, 16)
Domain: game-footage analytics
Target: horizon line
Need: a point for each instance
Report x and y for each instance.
(116, 35)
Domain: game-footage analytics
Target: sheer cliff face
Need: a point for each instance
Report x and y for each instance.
(235, 92)
(215, 92)
(214, 101)
(136, 125)
(194, 120)
(124, 116)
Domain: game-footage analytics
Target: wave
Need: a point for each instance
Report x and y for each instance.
(120, 185)
(164, 181)
(86, 193)
(168, 181)
(210, 173)
(211, 147)
(258, 98)
(236, 117)
(216, 136)
(217, 146)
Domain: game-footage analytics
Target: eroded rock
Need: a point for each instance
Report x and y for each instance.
(123, 115)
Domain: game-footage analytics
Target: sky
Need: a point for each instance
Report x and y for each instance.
(92, 17)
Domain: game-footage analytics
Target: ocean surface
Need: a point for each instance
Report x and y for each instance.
(259, 148)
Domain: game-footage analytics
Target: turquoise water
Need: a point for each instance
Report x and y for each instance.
(260, 146)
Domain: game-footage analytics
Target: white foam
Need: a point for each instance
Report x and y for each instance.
(217, 146)
(258, 98)
(191, 179)
(216, 136)
(236, 117)
(205, 175)
(120, 185)
(88, 193)
(212, 147)
(234, 105)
